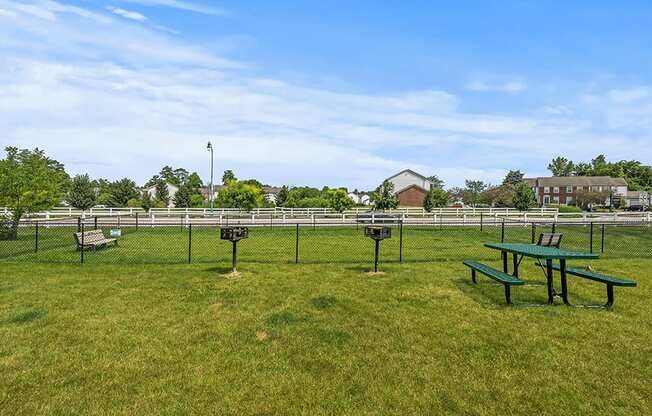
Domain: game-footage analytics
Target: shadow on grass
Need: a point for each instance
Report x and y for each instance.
(27, 316)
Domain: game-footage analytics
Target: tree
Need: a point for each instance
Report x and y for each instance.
(162, 193)
(146, 202)
(436, 182)
(473, 191)
(560, 166)
(383, 197)
(82, 193)
(587, 199)
(338, 200)
(194, 182)
(583, 169)
(499, 196)
(282, 196)
(196, 201)
(121, 192)
(134, 203)
(240, 195)
(524, 197)
(182, 197)
(513, 177)
(228, 176)
(29, 182)
(436, 198)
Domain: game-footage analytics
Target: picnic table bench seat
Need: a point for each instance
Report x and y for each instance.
(506, 279)
(610, 281)
(93, 239)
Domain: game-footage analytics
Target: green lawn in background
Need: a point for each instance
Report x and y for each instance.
(322, 337)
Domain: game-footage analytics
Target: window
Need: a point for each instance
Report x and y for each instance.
(546, 190)
(555, 190)
(555, 199)
(569, 200)
(546, 200)
(569, 189)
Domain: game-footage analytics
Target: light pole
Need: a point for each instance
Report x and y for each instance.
(212, 195)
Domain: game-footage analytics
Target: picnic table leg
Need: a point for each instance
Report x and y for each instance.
(515, 262)
(549, 275)
(564, 284)
(503, 255)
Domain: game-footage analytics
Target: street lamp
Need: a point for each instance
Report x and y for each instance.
(211, 196)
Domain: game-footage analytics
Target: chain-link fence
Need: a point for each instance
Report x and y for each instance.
(189, 242)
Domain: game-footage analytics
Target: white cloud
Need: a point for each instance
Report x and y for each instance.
(511, 87)
(182, 5)
(127, 14)
(129, 103)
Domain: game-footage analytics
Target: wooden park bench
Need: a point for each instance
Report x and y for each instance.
(93, 239)
(610, 281)
(506, 279)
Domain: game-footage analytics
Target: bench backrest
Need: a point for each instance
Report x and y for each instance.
(90, 236)
(550, 240)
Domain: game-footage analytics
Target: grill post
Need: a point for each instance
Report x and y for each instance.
(235, 255)
(377, 249)
(79, 226)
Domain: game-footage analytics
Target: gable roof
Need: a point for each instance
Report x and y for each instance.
(560, 181)
(411, 172)
(410, 187)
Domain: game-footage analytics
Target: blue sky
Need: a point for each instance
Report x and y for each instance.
(326, 93)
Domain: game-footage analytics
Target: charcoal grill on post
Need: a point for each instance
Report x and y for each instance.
(234, 234)
(377, 233)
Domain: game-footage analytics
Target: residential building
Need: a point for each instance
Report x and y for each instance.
(636, 199)
(563, 189)
(172, 191)
(410, 187)
(359, 199)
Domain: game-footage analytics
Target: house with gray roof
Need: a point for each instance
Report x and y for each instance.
(563, 189)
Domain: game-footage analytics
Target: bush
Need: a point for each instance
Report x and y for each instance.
(134, 203)
(565, 209)
(5, 228)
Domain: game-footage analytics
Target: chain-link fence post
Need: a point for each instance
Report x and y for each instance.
(534, 232)
(502, 232)
(400, 243)
(81, 249)
(36, 237)
(602, 239)
(591, 239)
(296, 246)
(189, 243)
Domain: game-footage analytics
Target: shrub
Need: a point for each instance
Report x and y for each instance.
(565, 209)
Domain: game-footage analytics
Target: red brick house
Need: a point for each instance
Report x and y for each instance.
(410, 187)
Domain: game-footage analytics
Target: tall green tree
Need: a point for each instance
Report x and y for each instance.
(513, 177)
(162, 193)
(436, 181)
(228, 176)
(473, 191)
(29, 182)
(524, 197)
(436, 198)
(146, 202)
(384, 197)
(82, 194)
(182, 199)
(560, 166)
(282, 196)
(120, 192)
(338, 200)
(240, 195)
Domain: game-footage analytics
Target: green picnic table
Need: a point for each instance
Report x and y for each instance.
(541, 253)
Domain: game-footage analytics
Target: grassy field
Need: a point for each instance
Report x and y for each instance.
(318, 338)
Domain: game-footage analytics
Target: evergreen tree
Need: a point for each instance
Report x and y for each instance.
(82, 193)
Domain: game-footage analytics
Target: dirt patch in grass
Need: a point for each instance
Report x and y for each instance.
(262, 336)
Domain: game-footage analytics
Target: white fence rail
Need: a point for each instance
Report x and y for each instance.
(320, 216)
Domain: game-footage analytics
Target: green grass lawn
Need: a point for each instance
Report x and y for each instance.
(321, 337)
